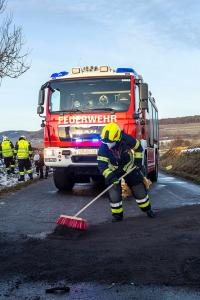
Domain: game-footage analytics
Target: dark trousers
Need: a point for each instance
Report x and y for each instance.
(134, 181)
(42, 170)
(24, 165)
(10, 164)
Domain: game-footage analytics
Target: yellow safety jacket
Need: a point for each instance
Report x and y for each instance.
(7, 149)
(23, 149)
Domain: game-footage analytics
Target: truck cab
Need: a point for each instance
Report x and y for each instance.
(77, 105)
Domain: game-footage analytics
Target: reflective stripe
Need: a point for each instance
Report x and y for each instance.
(21, 173)
(116, 204)
(107, 172)
(117, 210)
(29, 171)
(144, 204)
(138, 154)
(112, 167)
(142, 200)
(129, 164)
(136, 145)
(102, 158)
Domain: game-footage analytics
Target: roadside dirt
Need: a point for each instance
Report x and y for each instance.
(164, 250)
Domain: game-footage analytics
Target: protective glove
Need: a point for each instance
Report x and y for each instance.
(115, 182)
(112, 180)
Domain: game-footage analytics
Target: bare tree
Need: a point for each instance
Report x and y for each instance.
(12, 59)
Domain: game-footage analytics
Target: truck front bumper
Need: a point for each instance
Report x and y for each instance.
(70, 157)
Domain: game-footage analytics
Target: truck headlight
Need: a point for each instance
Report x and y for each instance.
(49, 152)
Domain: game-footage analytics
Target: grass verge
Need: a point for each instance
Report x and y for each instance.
(183, 165)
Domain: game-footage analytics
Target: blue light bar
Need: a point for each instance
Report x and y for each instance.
(63, 73)
(126, 70)
(60, 74)
(95, 140)
(54, 75)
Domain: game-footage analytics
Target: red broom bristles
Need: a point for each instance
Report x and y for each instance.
(73, 222)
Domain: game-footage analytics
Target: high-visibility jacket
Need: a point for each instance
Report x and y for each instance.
(23, 149)
(116, 161)
(7, 149)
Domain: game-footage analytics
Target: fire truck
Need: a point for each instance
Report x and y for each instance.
(76, 105)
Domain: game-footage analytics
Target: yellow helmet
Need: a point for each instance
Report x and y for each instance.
(111, 133)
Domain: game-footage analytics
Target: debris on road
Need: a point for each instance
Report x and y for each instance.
(58, 290)
(62, 231)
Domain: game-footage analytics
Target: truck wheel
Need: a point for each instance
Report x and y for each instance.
(63, 180)
(153, 176)
(99, 181)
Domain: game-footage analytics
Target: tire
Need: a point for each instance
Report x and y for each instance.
(63, 180)
(153, 176)
(99, 181)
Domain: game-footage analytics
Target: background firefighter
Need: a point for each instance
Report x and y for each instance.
(41, 169)
(7, 153)
(115, 158)
(23, 152)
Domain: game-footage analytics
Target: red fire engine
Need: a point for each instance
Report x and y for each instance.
(79, 104)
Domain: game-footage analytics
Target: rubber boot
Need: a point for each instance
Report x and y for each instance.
(13, 171)
(151, 213)
(21, 178)
(30, 176)
(117, 218)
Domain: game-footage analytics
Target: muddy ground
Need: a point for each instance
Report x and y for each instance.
(161, 251)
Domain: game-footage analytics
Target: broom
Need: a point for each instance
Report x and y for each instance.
(79, 223)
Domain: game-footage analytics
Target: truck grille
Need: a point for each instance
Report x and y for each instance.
(84, 159)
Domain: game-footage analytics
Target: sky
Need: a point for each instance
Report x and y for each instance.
(160, 39)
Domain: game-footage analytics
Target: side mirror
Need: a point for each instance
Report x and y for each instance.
(41, 97)
(144, 94)
(40, 109)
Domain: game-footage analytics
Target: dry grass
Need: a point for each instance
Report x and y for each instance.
(184, 165)
(181, 131)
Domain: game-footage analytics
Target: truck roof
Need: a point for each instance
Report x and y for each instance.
(95, 71)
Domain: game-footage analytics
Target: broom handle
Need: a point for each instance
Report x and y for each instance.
(102, 193)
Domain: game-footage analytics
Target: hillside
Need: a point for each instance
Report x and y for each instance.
(180, 120)
(36, 137)
(185, 128)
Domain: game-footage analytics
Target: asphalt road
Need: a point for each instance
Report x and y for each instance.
(33, 210)
(30, 214)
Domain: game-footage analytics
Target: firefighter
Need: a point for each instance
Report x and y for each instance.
(7, 153)
(23, 152)
(36, 159)
(40, 166)
(118, 153)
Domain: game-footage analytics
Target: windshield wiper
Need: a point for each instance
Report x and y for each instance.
(103, 108)
(70, 110)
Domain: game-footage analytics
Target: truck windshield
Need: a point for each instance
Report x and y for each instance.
(101, 94)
